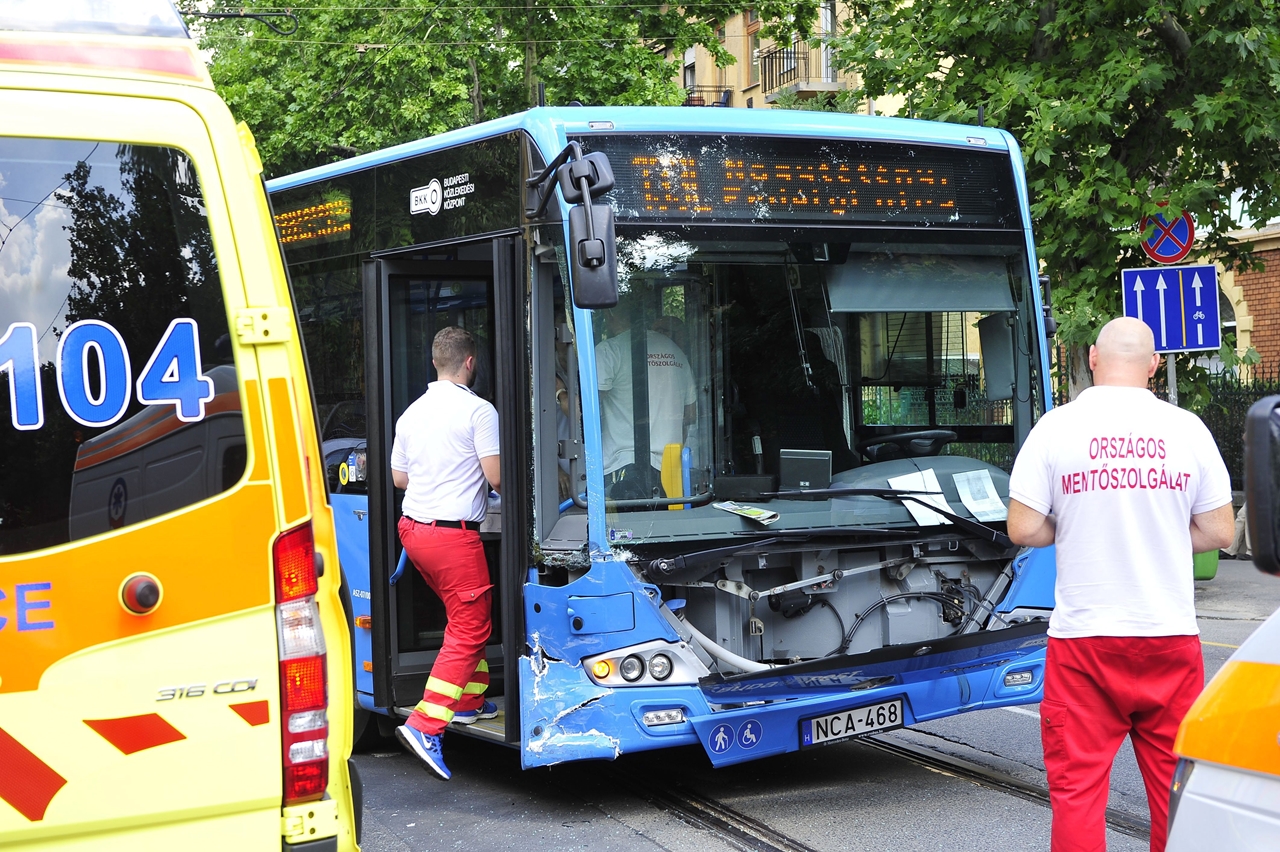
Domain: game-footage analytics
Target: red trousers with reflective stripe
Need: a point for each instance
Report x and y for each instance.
(452, 563)
(1097, 691)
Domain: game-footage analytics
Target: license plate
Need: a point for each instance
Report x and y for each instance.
(848, 724)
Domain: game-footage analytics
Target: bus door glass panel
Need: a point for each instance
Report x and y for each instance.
(109, 269)
(419, 306)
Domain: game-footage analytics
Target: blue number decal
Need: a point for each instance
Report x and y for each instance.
(114, 374)
(173, 373)
(18, 356)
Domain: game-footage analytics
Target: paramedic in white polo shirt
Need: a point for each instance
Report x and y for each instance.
(672, 400)
(1127, 487)
(445, 457)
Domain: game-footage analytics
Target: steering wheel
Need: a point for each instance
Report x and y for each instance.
(925, 442)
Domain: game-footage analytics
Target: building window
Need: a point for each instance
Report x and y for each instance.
(753, 45)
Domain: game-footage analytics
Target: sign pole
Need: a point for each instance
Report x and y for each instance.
(1173, 378)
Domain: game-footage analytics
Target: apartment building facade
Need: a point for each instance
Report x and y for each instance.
(764, 70)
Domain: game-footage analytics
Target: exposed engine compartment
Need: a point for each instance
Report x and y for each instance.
(786, 601)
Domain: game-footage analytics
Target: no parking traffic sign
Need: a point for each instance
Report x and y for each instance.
(1170, 242)
(1179, 303)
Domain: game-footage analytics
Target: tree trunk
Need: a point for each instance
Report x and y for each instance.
(530, 57)
(477, 102)
(1081, 376)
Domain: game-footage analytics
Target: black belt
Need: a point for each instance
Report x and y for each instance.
(453, 525)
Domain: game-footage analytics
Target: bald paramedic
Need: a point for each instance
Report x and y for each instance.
(445, 457)
(1127, 487)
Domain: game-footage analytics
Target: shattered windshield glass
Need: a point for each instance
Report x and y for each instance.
(738, 367)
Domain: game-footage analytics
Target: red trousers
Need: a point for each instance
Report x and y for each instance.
(452, 563)
(1097, 691)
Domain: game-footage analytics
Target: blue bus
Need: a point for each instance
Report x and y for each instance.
(825, 334)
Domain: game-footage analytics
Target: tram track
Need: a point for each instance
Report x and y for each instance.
(731, 825)
(752, 835)
(985, 776)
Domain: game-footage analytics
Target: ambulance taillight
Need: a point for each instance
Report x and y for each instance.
(303, 683)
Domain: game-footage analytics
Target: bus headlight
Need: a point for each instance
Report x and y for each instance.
(653, 663)
(631, 668)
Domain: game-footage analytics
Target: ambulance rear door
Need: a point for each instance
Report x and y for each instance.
(139, 678)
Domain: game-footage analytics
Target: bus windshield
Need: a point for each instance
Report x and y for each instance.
(776, 363)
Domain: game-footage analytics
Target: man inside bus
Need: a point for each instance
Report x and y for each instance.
(445, 457)
(672, 400)
(1127, 487)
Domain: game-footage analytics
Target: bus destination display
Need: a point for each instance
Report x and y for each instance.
(734, 178)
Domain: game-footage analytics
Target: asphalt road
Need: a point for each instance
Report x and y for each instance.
(845, 797)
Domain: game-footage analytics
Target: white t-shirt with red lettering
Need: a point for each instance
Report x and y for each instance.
(671, 389)
(1122, 472)
(439, 442)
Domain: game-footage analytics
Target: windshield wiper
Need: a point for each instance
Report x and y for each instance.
(976, 527)
(694, 566)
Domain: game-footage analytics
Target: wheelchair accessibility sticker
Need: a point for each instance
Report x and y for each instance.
(749, 734)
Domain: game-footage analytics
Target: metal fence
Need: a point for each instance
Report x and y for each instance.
(707, 96)
(1230, 399)
(790, 64)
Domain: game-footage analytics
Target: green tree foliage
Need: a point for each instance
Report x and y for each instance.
(1119, 106)
(359, 77)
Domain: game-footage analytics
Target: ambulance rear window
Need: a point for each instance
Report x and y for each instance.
(119, 398)
(106, 17)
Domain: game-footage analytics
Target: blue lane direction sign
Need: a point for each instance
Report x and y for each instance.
(1179, 303)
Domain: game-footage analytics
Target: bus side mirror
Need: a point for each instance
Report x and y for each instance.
(1262, 482)
(594, 168)
(593, 256)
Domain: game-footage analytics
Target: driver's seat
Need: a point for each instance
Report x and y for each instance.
(904, 445)
(883, 452)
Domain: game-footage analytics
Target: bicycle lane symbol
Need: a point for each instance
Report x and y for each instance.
(721, 738)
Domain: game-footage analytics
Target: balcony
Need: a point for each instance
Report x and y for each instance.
(796, 68)
(716, 96)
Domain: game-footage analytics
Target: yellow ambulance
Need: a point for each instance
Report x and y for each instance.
(171, 632)
(1226, 788)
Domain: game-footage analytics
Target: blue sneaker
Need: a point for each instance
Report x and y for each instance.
(488, 710)
(426, 747)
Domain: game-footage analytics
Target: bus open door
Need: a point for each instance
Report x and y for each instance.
(411, 299)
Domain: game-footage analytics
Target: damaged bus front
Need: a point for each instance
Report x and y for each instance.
(839, 346)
